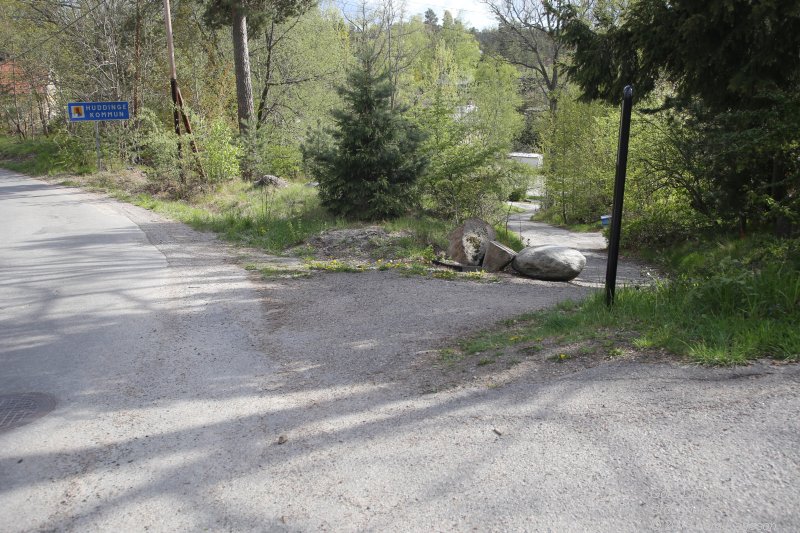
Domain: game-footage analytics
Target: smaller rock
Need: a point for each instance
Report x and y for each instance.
(282, 439)
(497, 257)
(268, 180)
(469, 241)
(550, 263)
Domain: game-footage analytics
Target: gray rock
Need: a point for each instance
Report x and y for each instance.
(268, 180)
(469, 241)
(497, 257)
(551, 263)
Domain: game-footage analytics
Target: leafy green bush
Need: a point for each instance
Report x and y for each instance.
(76, 152)
(284, 160)
(579, 146)
(517, 195)
(266, 151)
(219, 151)
(469, 173)
(60, 152)
(158, 151)
(655, 228)
(156, 148)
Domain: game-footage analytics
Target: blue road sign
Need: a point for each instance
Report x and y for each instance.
(93, 111)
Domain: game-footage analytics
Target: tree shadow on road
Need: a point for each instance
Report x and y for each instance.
(192, 398)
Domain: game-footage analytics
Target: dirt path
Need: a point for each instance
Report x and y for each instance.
(316, 404)
(592, 244)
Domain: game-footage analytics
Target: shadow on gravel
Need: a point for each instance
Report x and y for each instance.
(361, 443)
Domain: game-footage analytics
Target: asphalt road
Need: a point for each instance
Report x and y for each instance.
(192, 397)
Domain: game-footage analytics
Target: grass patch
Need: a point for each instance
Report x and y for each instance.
(41, 156)
(512, 209)
(560, 358)
(268, 272)
(426, 236)
(272, 220)
(480, 275)
(704, 257)
(509, 238)
(738, 302)
(413, 268)
(423, 268)
(555, 219)
(584, 228)
(335, 266)
(445, 274)
(449, 356)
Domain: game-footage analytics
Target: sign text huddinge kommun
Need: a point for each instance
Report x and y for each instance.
(80, 111)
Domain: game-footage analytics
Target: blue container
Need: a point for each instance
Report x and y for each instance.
(605, 220)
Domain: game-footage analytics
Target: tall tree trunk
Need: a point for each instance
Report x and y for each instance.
(262, 104)
(552, 95)
(241, 59)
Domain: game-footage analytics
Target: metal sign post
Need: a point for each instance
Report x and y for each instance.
(95, 112)
(97, 146)
(619, 194)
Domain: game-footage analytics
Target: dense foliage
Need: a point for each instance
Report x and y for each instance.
(464, 102)
(714, 141)
(728, 72)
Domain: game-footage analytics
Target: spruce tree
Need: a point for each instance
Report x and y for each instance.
(368, 166)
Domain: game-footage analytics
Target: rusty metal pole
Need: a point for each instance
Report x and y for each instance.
(619, 194)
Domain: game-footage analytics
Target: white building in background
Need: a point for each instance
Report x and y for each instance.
(534, 160)
(536, 187)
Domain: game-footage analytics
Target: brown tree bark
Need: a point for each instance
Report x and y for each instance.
(267, 74)
(241, 59)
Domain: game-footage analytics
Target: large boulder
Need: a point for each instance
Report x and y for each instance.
(469, 241)
(497, 257)
(268, 180)
(551, 263)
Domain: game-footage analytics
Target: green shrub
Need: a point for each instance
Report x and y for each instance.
(517, 195)
(158, 151)
(75, 154)
(661, 227)
(219, 151)
(265, 151)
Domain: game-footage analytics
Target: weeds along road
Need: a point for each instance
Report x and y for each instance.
(193, 397)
